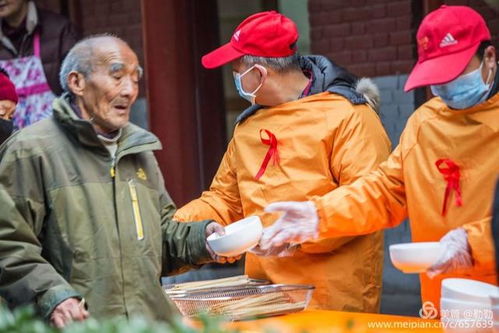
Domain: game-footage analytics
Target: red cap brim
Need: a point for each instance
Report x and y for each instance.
(439, 70)
(221, 56)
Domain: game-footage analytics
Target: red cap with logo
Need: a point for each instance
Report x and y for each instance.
(266, 34)
(447, 40)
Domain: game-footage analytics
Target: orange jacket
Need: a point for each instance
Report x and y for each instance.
(409, 183)
(324, 142)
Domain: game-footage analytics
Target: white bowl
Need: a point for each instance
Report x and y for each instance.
(239, 237)
(468, 290)
(415, 257)
(494, 300)
(461, 306)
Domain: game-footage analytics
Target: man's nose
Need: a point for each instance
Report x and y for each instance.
(129, 88)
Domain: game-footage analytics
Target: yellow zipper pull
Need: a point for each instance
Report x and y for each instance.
(136, 210)
(112, 171)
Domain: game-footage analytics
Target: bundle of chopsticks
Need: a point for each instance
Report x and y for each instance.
(256, 305)
(233, 281)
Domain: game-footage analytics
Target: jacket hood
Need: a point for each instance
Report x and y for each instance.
(327, 76)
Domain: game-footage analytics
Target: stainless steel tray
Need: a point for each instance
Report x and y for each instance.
(244, 302)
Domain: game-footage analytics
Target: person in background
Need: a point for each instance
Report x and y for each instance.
(442, 173)
(33, 44)
(312, 127)
(8, 102)
(84, 210)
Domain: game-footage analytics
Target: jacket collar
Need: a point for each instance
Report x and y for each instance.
(31, 24)
(133, 139)
(326, 76)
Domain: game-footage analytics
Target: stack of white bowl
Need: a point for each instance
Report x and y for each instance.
(495, 312)
(466, 305)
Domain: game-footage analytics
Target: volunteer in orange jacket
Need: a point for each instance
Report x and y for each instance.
(442, 173)
(309, 130)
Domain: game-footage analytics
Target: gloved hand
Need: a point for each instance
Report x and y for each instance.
(285, 250)
(219, 229)
(456, 254)
(298, 224)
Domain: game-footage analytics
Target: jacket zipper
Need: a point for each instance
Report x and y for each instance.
(113, 176)
(136, 209)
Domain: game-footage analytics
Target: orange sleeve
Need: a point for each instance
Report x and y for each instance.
(373, 202)
(221, 202)
(360, 145)
(481, 243)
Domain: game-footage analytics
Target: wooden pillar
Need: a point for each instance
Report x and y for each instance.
(185, 101)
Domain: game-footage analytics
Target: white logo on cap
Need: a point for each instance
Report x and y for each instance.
(448, 40)
(236, 35)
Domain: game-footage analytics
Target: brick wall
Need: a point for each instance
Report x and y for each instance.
(376, 37)
(119, 17)
(370, 37)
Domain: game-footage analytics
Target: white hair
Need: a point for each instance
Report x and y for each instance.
(280, 64)
(80, 58)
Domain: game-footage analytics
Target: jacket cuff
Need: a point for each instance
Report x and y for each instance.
(53, 297)
(322, 227)
(197, 243)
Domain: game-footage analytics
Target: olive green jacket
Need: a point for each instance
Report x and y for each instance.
(74, 222)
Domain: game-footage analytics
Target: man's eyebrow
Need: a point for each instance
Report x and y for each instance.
(116, 67)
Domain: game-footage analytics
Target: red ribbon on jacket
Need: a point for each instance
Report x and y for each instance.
(452, 176)
(272, 153)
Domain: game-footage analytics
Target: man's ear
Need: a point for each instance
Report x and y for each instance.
(76, 83)
(264, 72)
(490, 57)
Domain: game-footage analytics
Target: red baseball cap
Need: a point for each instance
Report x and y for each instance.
(447, 40)
(265, 34)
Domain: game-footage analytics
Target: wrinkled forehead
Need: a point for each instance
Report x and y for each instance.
(114, 55)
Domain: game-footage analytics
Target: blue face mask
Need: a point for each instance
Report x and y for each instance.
(465, 91)
(250, 97)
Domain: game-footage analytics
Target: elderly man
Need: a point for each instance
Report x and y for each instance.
(442, 173)
(84, 210)
(308, 132)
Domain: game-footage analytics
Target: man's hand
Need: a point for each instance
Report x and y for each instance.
(285, 250)
(455, 256)
(212, 228)
(68, 311)
(298, 223)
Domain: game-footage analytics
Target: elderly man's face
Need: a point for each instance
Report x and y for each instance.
(112, 87)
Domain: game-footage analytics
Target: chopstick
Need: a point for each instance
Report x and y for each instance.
(230, 281)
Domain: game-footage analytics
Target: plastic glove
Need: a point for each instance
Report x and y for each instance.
(219, 229)
(285, 250)
(298, 224)
(455, 256)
